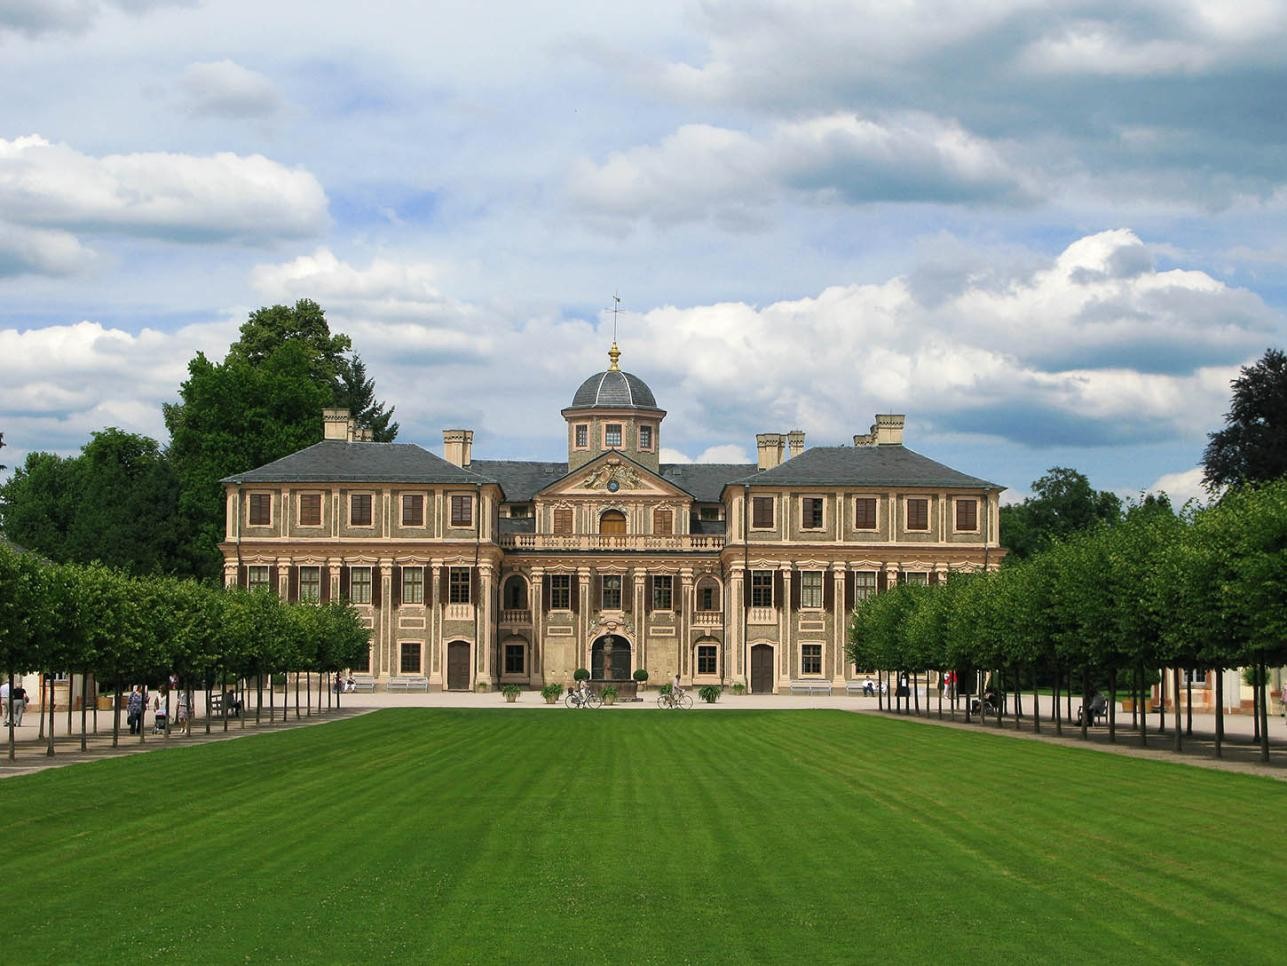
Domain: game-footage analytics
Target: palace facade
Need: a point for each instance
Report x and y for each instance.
(475, 572)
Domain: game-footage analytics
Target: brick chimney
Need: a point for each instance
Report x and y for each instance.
(337, 424)
(795, 440)
(768, 447)
(457, 446)
(887, 430)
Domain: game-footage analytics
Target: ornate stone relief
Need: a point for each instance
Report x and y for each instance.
(613, 476)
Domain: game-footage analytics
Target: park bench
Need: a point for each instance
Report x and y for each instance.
(413, 683)
(364, 685)
(1097, 711)
(216, 706)
(810, 687)
(856, 688)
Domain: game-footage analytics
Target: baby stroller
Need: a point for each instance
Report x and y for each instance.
(158, 722)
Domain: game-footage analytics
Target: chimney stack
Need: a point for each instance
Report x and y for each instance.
(795, 440)
(336, 424)
(457, 446)
(768, 447)
(887, 430)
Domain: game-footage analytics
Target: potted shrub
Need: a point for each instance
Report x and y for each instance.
(739, 687)
(551, 692)
(709, 693)
(609, 695)
(666, 688)
(641, 676)
(481, 687)
(580, 674)
(511, 692)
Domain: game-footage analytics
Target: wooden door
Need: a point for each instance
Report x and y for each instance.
(612, 523)
(762, 669)
(458, 666)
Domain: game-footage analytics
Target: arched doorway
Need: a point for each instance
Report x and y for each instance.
(762, 669)
(458, 666)
(612, 523)
(515, 594)
(610, 658)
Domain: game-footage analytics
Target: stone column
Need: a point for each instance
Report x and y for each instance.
(230, 573)
(486, 624)
(385, 619)
(283, 577)
(333, 565)
(732, 604)
(891, 576)
(433, 624)
(840, 633)
(684, 630)
(638, 601)
(536, 600)
(583, 618)
(786, 627)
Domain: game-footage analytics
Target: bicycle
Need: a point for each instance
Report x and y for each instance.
(683, 700)
(577, 698)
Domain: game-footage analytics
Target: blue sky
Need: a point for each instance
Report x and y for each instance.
(1048, 233)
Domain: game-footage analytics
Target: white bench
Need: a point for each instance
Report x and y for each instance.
(404, 683)
(810, 687)
(363, 685)
(856, 687)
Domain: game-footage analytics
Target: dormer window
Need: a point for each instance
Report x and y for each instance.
(612, 435)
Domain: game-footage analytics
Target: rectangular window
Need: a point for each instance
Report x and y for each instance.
(706, 598)
(360, 585)
(810, 659)
(360, 510)
(1196, 678)
(363, 664)
(413, 585)
(560, 591)
(413, 510)
(257, 578)
(582, 436)
(662, 588)
(515, 655)
(261, 509)
(310, 583)
(462, 511)
(709, 513)
(761, 588)
(310, 510)
(811, 589)
(864, 585)
(762, 512)
(610, 584)
(811, 513)
(917, 513)
(563, 520)
(645, 437)
(458, 585)
(707, 659)
(520, 511)
(612, 435)
(865, 513)
(967, 515)
(410, 662)
(663, 521)
(918, 577)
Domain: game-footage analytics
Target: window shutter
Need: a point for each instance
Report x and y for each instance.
(547, 593)
(344, 583)
(746, 588)
(444, 576)
(628, 593)
(242, 579)
(795, 589)
(574, 583)
(473, 585)
(326, 585)
(849, 591)
(882, 581)
(777, 588)
(933, 577)
(828, 590)
(597, 591)
(377, 588)
(397, 587)
(272, 580)
(293, 592)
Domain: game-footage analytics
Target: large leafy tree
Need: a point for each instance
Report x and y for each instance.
(1252, 447)
(1063, 503)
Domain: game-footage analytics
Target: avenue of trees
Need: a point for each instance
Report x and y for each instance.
(1205, 589)
(98, 623)
(129, 502)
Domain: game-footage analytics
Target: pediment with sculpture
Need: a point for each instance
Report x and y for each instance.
(613, 476)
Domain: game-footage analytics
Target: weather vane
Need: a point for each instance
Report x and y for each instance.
(616, 307)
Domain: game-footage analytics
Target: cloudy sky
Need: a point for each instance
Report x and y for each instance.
(1050, 233)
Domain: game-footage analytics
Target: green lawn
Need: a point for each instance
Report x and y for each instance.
(516, 835)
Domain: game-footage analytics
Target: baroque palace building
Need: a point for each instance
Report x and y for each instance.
(477, 572)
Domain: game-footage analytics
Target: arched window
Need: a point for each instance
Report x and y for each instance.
(515, 593)
(612, 523)
(708, 597)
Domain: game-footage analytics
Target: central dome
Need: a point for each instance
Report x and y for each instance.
(614, 389)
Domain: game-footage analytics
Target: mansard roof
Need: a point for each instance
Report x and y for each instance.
(887, 465)
(336, 461)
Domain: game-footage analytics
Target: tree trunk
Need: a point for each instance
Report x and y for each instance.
(940, 694)
(241, 688)
(1112, 706)
(1036, 703)
(1139, 678)
(272, 700)
(296, 695)
(1188, 706)
(1135, 698)
(1068, 697)
(116, 715)
(49, 750)
(259, 693)
(84, 711)
(13, 750)
(1175, 680)
(1219, 741)
(1055, 716)
(208, 682)
(1085, 702)
(1264, 709)
(1161, 702)
(1255, 711)
(915, 695)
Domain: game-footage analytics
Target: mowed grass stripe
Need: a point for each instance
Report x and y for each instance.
(514, 835)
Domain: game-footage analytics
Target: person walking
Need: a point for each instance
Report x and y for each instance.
(182, 717)
(134, 710)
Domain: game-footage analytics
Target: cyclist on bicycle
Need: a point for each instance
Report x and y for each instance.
(676, 692)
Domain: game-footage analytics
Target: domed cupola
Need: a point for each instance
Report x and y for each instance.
(614, 410)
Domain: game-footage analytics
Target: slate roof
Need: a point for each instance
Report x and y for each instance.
(705, 481)
(335, 461)
(614, 389)
(520, 479)
(888, 465)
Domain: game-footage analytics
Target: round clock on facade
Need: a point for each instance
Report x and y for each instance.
(613, 486)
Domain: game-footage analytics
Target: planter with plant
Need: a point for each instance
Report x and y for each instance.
(641, 677)
(709, 693)
(511, 692)
(739, 688)
(481, 687)
(551, 692)
(609, 695)
(666, 688)
(580, 674)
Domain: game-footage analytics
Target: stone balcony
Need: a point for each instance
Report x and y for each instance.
(516, 618)
(603, 541)
(708, 618)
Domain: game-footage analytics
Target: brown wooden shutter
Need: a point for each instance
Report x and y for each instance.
(377, 588)
(574, 585)
(344, 583)
(292, 592)
(473, 585)
(777, 589)
(628, 592)
(243, 580)
(397, 587)
(882, 581)
(326, 585)
(828, 590)
(444, 585)
(273, 576)
(850, 577)
(933, 577)
(746, 588)
(795, 589)
(547, 592)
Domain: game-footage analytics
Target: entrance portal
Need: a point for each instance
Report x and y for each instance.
(762, 669)
(458, 666)
(610, 659)
(612, 523)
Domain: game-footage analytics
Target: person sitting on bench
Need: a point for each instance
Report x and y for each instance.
(1098, 708)
(231, 703)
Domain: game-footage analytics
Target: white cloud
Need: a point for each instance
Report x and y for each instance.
(702, 171)
(37, 17)
(36, 251)
(224, 88)
(224, 196)
(1181, 487)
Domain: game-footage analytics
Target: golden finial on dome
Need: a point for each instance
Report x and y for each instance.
(614, 354)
